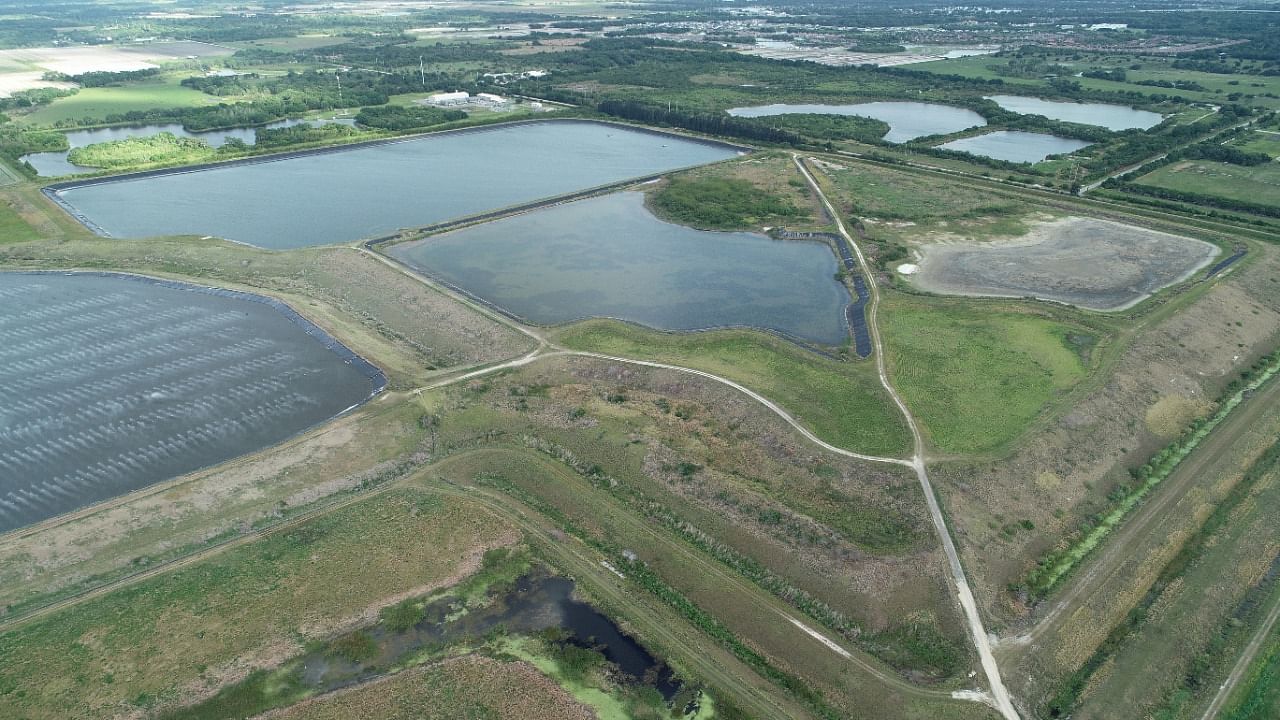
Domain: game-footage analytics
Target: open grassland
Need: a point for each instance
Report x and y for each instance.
(1262, 142)
(464, 687)
(900, 205)
(1258, 698)
(978, 375)
(13, 228)
(841, 402)
(1202, 609)
(1258, 184)
(394, 320)
(713, 197)
(380, 442)
(181, 635)
(98, 103)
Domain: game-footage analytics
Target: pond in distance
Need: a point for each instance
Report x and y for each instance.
(907, 120)
(53, 164)
(366, 191)
(610, 257)
(1015, 145)
(111, 383)
(1112, 117)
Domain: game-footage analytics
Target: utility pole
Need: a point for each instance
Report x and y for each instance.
(338, 75)
(422, 71)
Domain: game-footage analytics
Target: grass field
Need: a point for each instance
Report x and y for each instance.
(1263, 142)
(1196, 628)
(1258, 184)
(840, 402)
(976, 376)
(175, 636)
(13, 228)
(900, 205)
(98, 103)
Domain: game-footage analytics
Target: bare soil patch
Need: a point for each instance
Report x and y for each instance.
(1096, 264)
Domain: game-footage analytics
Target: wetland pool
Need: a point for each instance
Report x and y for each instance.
(1015, 145)
(609, 256)
(907, 120)
(1112, 117)
(109, 383)
(358, 192)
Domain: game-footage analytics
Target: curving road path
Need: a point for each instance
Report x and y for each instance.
(1000, 698)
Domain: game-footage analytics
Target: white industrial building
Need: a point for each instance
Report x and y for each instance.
(449, 98)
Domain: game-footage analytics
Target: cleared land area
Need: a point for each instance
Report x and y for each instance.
(1095, 264)
(1257, 184)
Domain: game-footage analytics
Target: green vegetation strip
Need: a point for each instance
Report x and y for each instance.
(1068, 694)
(1052, 570)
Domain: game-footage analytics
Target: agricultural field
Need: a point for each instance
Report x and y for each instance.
(1258, 184)
(95, 104)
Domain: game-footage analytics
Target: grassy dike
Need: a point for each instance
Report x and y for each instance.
(1050, 571)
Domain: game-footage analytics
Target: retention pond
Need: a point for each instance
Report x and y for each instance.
(1112, 117)
(109, 383)
(1015, 145)
(364, 191)
(906, 120)
(610, 257)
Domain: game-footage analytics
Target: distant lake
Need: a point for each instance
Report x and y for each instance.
(371, 190)
(1015, 145)
(907, 120)
(610, 257)
(110, 383)
(1112, 117)
(54, 164)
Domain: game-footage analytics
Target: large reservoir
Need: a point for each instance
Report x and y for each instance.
(371, 190)
(111, 383)
(610, 257)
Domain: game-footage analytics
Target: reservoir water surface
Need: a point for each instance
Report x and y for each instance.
(111, 383)
(371, 190)
(610, 257)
